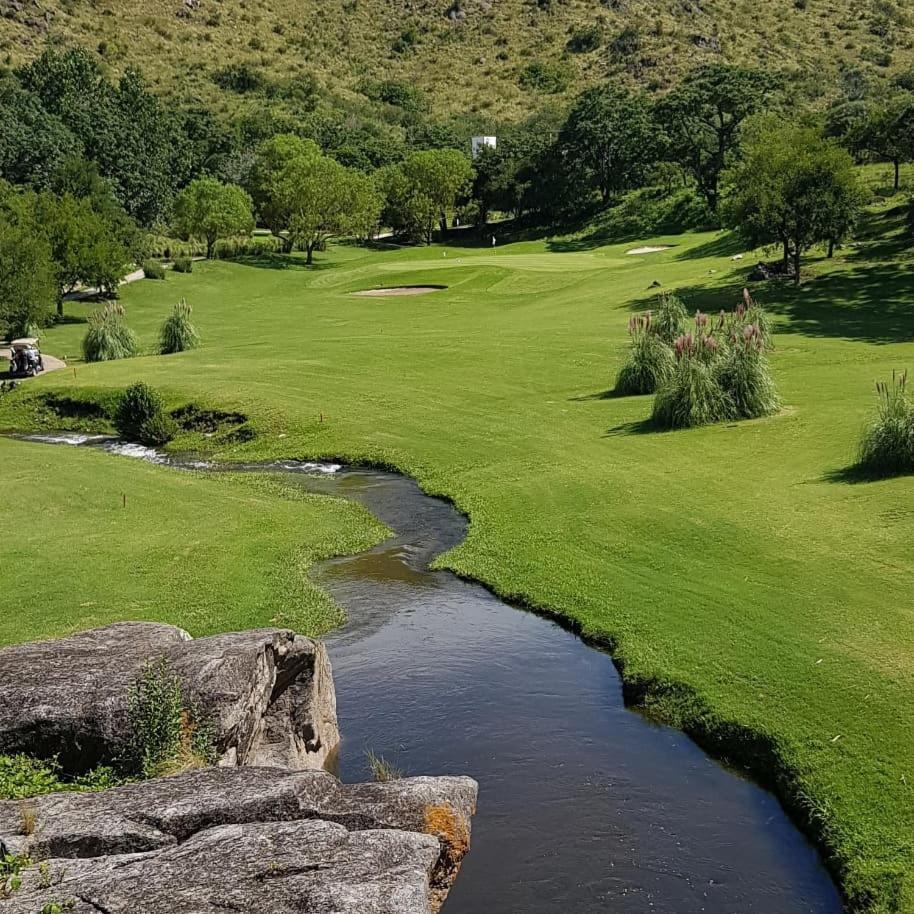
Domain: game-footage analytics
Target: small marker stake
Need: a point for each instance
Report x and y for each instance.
(322, 417)
(124, 499)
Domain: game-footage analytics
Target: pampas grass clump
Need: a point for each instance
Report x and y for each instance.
(650, 363)
(887, 447)
(108, 337)
(178, 333)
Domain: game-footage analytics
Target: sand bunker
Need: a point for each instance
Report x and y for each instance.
(399, 290)
(649, 249)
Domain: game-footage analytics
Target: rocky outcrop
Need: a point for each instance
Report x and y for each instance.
(243, 839)
(268, 693)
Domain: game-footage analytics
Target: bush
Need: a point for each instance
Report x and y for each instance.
(108, 337)
(178, 333)
(887, 448)
(141, 417)
(152, 269)
(22, 776)
(651, 362)
(183, 265)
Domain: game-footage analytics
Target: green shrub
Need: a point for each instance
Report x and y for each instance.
(887, 447)
(141, 417)
(108, 337)
(152, 269)
(22, 776)
(155, 713)
(651, 362)
(178, 333)
(381, 769)
(165, 736)
(183, 265)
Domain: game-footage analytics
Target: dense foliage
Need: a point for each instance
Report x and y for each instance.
(141, 417)
(108, 336)
(178, 333)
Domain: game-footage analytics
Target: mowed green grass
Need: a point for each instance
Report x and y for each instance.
(741, 578)
(90, 539)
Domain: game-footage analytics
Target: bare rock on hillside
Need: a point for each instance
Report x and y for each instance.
(244, 839)
(269, 693)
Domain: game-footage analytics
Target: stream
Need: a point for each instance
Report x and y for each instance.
(584, 806)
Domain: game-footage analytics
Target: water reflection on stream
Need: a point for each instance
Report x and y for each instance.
(584, 806)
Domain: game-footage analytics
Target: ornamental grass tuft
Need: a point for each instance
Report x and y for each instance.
(887, 446)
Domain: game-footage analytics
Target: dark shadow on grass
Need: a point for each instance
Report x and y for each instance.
(872, 303)
(855, 474)
(725, 245)
(70, 319)
(638, 427)
(611, 394)
(275, 261)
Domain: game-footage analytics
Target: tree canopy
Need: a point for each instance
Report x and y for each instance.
(209, 210)
(792, 187)
(611, 131)
(703, 116)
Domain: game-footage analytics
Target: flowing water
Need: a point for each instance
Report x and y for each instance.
(584, 806)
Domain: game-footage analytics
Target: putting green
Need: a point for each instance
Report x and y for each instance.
(753, 596)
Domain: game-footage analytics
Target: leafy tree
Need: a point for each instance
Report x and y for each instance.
(793, 187)
(210, 210)
(135, 141)
(703, 115)
(323, 198)
(889, 132)
(612, 132)
(27, 286)
(273, 155)
(423, 189)
(33, 143)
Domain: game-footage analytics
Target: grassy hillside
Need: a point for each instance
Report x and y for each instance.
(489, 58)
(754, 595)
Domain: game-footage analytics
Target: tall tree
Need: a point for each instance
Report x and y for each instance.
(611, 131)
(324, 198)
(27, 285)
(793, 187)
(209, 210)
(273, 155)
(889, 132)
(703, 115)
(423, 190)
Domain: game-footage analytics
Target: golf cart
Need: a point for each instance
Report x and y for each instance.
(25, 357)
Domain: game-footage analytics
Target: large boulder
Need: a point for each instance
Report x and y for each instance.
(243, 839)
(268, 693)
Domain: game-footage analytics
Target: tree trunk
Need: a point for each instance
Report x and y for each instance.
(442, 224)
(287, 245)
(786, 257)
(210, 245)
(60, 307)
(309, 250)
(831, 248)
(796, 266)
(897, 164)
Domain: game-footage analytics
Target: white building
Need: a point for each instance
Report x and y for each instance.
(478, 142)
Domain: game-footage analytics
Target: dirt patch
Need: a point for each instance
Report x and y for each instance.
(398, 290)
(650, 249)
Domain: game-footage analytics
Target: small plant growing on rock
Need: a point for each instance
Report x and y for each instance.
(165, 736)
(887, 447)
(109, 337)
(28, 818)
(381, 769)
(178, 333)
(141, 417)
(11, 867)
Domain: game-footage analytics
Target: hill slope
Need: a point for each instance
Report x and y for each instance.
(492, 58)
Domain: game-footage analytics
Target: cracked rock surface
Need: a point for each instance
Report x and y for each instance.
(269, 693)
(243, 839)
